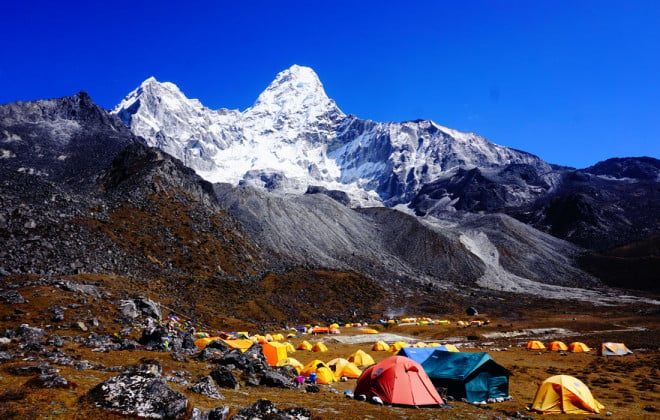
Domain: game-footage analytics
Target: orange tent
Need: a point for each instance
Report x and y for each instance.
(535, 345)
(398, 380)
(557, 346)
(274, 352)
(577, 347)
(203, 342)
(242, 344)
(323, 373)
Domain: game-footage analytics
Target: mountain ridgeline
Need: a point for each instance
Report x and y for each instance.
(259, 212)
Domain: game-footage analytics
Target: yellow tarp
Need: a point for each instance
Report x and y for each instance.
(565, 394)
(243, 344)
(203, 342)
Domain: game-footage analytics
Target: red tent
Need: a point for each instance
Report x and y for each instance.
(398, 380)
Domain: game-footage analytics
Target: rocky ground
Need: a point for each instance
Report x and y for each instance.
(75, 348)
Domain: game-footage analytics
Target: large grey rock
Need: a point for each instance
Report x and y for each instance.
(275, 379)
(224, 378)
(264, 409)
(207, 387)
(11, 297)
(140, 391)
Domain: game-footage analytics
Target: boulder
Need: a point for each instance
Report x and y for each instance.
(264, 409)
(207, 387)
(275, 379)
(148, 308)
(140, 391)
(219, 413)
(224, 378)
(128, 309)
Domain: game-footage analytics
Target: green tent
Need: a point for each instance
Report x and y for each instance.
(473, 376)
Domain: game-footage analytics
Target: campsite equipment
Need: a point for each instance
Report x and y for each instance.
(342, 367)
(398, 380)
(577, 347)
(380, 346)
(473, 376)
(369, 331)
(274, 352)
(320, 347)
(323, 373)
(290, 361)
(360, 358)
(305, 345)
(557, 346)
(394, 348)
(289, 347)
(203, 342)
(613, 349)
(535, 345)
(565, 394)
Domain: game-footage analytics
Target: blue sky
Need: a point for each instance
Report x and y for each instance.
(574, 82)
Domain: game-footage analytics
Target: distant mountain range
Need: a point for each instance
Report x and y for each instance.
(296, 198)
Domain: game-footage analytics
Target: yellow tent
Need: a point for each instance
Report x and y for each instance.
(242, 344)
(420, 344)
(451, 347)
(278, 337)
(335, 325)
(380, 346)
(291, 362)
(557, 346)
(577, 347)
(565, 394)
(259, 339)
(320, 347)
(324, 374)
(203, 342)
(342, 367)
(535, 345)
(394, 348)
(274, 352)
(289, 347)
(369, 331)
(444, 322)
(433, 344)
(304, 346)
(360, 358)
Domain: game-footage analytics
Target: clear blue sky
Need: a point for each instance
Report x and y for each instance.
(574, 82)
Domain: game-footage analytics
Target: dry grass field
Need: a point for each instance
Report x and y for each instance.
(629, 386)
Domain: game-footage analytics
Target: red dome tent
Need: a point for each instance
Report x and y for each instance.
(398, 380)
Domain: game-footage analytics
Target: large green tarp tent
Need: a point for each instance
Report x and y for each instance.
(473, 376)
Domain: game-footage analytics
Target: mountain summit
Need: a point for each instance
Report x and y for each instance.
(294, 137)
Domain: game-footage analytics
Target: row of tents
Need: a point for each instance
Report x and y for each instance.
(606, 349)
(398, 345)
(475, 377)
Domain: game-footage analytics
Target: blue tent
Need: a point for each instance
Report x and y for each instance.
(473, 376)
(418, 354)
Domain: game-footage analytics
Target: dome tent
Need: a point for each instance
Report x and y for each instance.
(398, 380)
(565, 394)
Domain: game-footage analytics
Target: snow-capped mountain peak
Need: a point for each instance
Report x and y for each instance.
(294, 136)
